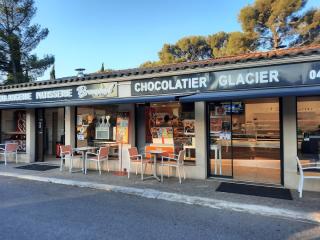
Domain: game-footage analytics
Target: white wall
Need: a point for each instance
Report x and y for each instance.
(30, 136)
(291, 177)
(70, 126)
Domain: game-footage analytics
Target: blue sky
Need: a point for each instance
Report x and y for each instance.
(123, 33)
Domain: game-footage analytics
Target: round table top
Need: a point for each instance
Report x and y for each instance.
(156, 151)
(85, 148)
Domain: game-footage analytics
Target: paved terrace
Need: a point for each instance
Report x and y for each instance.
(309, 204)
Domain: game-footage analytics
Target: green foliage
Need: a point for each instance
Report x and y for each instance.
(18, 38)
(226, 44)
(266, 24)
(307, 28)
(186, 49)
(53, 73)
(102, 67)
(150, 64)
(280, 23)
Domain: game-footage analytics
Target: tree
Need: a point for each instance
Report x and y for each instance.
(102, 67)
(280, 23)
(18, 38)
(185, 50)
(226, 44)
(266, 24)
(307, 28)
(53, 73)
(150, 64)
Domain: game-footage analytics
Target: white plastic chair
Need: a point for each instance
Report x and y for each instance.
(101, 156)
(9, 148)
(176, 161)
(302, 168)
(66, 153)
(217, 157)
(138, 159)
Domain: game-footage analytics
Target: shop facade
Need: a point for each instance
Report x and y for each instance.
(243, 118)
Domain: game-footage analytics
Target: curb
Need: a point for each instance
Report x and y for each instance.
(179, 198)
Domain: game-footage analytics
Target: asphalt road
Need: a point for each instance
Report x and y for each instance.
(35, 210)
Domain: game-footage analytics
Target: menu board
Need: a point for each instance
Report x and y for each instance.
(123, 128)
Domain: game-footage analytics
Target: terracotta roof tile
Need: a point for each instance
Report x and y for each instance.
(254, 56)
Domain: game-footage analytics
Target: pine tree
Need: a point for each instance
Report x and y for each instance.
(53, 73)
(102, 68)
(18, 38)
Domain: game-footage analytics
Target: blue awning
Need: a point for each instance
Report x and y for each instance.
(86, 102)
(254, 93)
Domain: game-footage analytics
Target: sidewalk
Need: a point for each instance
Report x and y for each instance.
(197, 192)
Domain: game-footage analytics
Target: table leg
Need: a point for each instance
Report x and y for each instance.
(155, 165)
(154, 172)
(84, 164)
(215, 161)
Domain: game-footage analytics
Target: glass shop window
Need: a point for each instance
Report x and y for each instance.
(308, 128)
(13, 128)
(171, 127)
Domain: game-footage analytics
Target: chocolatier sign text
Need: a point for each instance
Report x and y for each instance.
(297, 74)
(90, 91)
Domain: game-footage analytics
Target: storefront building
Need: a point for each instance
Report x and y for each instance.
(242, 118)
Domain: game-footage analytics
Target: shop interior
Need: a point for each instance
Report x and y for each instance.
(13, 128)
(308, 129)
(167, 126)
(54, 130)
(248, 135)
(102, 125)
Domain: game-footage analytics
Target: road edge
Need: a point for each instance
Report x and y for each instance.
(179, 198)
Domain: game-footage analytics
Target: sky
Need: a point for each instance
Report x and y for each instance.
(122, 33)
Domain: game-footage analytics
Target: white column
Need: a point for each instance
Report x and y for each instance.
(125, 155)
(200, 170)
(289, 142)
(30, 136)
(70, 131)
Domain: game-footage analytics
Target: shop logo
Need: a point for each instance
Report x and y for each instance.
(262, 77)
(97, 91)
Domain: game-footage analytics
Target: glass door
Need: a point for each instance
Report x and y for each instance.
(244, 140)
(220, 145)
(256, 141)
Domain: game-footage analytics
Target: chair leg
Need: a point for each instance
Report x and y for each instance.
(184, 172)
(301, 187)
(220, 161)
(99, 167)
(161, 173)
(141, 170)
(71, 164)
(215, 161)
(129, 169)
(179, 174)
(145, 167)
(61, 164)
(85, 166)
(5, 159)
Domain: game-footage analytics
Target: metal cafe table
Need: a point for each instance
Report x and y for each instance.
(155, 154)
(83, 151)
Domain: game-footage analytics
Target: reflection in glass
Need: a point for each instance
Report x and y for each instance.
(220, 139)
(248, 133)
(308, 129)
